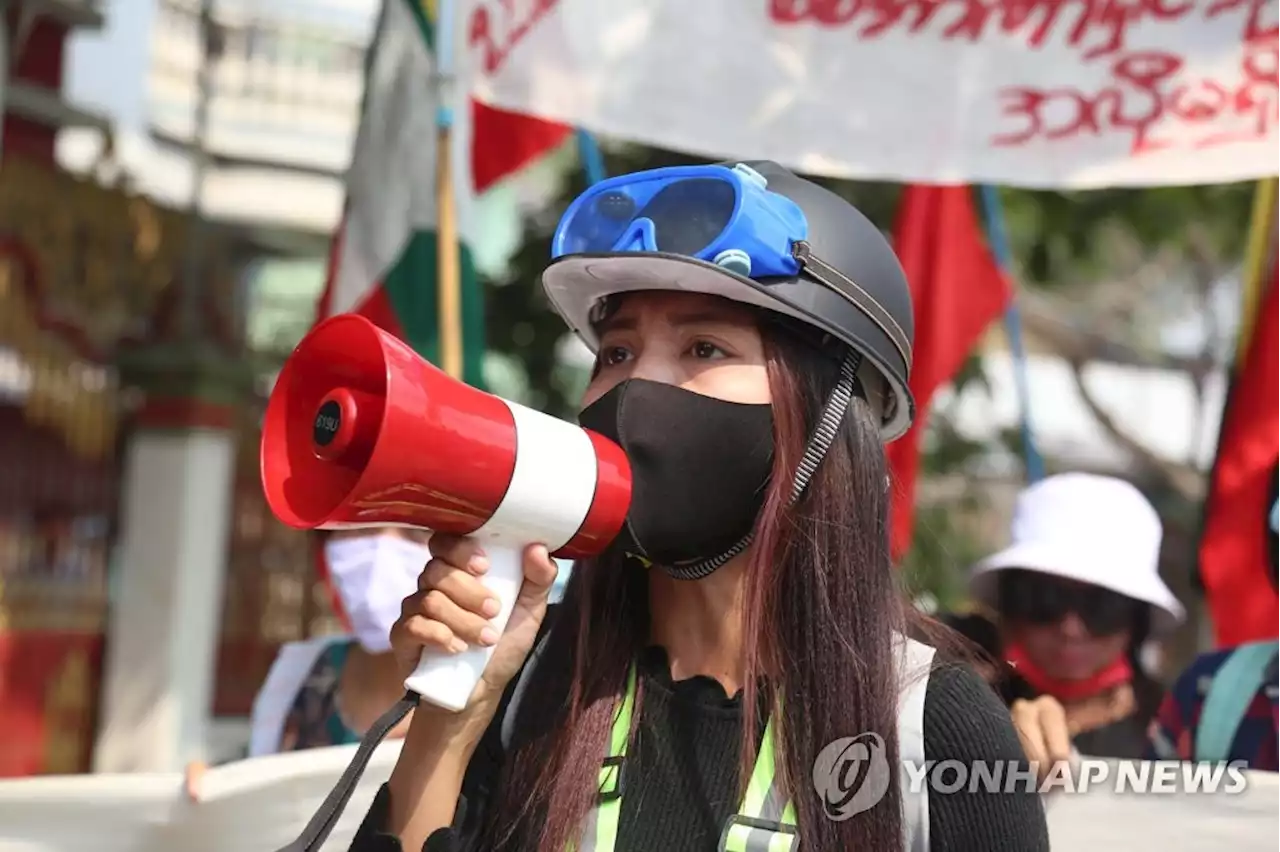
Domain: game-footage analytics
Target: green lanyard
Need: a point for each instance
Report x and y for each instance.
(766, 822)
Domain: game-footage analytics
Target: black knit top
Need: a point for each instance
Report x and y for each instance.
(682, 771)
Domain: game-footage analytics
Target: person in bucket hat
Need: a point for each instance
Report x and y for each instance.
(1073, 597)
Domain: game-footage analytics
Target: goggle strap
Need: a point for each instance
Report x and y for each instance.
(841, 284)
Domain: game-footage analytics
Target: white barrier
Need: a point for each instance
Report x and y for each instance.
(1101, 820)
(259, 805)
(246, 806)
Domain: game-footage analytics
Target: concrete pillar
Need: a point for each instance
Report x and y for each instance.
(162, 636)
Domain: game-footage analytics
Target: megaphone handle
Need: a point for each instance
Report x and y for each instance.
(447, 680)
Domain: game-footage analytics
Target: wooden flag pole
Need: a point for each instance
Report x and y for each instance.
(449, 265)
(1259, 249)
(448, 250)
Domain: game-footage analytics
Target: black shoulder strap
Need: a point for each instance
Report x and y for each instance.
(326, 816)
(320, 825)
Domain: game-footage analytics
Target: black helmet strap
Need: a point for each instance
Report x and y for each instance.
(824, 434)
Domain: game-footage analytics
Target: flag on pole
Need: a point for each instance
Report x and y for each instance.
(382, 262)
(1238, 544)
(957, 289)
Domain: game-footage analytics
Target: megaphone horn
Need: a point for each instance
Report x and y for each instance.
(361, 432)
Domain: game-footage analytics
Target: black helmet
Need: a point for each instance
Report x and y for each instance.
(850, 286)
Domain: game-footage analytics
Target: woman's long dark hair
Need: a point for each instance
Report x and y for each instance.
(821, 604)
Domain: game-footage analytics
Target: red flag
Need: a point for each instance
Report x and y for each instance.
(957, 289)
(1237, 547)
(503, 143)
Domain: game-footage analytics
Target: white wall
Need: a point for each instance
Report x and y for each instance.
(1155, 407)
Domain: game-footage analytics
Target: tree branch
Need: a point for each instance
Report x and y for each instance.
(1184, 479)
(1206, 273)
(1044, 321)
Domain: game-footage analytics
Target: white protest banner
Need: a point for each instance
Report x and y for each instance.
(254, 805)
(260, 804)
(1172, 815)
(1035, 93)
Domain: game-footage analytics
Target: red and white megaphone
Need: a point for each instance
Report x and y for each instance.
(361, 432)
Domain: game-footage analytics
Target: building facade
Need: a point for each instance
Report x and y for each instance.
(74, 278)
(283, 99)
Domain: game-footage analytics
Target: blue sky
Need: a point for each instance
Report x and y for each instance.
(107, 70)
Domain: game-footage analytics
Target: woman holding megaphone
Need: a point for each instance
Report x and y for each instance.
(735, 671)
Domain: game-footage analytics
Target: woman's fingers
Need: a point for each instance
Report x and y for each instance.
(463, 588)
(461, 552)
(454, 559)
(1042, 727)
(1026, 723)
(465, 624)
(436, 617)
(1057, 738)
(453, 609)
(540, 572)
(414, 633)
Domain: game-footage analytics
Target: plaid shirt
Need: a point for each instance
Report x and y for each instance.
(1173, 729)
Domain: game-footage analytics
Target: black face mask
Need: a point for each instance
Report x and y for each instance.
(699, 468)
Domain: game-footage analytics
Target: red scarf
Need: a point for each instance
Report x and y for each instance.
(1111, 676)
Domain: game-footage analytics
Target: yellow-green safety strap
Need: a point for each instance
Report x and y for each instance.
(601, 831)
(765, 822)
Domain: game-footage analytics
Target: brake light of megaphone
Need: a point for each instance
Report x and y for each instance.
(361, 432)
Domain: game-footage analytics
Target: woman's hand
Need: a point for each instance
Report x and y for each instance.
(451, 611)
(1042, 727)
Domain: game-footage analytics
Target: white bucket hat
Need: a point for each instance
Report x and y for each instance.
(1093, 529)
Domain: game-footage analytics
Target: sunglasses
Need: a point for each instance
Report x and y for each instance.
(1033, 598)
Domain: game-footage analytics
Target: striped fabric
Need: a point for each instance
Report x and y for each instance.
(1173, 730)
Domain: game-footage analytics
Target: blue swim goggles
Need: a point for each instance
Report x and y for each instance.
(726, 216)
